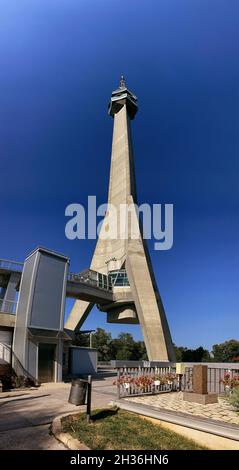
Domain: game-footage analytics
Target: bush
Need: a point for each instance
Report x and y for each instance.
(6, 382)
(14, 381)
(234, 398)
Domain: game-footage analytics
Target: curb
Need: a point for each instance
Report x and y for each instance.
(64, 437)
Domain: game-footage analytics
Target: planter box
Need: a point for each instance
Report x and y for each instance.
(157, 382)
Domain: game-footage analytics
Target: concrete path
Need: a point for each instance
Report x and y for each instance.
(25, 418)
(221, 411)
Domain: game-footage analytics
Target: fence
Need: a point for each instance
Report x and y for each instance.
(133, 381)
(92, 278)
(215, 376)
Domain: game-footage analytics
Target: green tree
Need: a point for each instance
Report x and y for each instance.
(196, 355)
(139, 351)
(179, 350)
(225, 352)
(125, 347)
(81, 339)
(101, 341)
(191, 355)
(115, 346)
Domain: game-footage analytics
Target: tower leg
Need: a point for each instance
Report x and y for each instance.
(151, 317)
(78, 315)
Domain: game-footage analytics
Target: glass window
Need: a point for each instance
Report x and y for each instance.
(119, 278)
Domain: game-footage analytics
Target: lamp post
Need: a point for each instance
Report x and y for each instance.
(90, 332)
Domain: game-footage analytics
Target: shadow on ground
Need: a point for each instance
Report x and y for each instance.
(104, 414)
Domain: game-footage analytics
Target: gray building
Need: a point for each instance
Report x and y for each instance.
(32, 308)
(39, 333)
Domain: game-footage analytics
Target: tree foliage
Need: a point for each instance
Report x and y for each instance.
(226, 352)
(124, 347)
(101, 340)
(192, 355)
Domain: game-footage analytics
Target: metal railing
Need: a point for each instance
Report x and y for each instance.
(91, 278)
(11, 265)
(187, 380)
(215, 377)
(8, 306)
(135, 381)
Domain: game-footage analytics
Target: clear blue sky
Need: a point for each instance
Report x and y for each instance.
(59, 61)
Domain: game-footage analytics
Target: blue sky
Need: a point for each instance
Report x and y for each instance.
(59, 62)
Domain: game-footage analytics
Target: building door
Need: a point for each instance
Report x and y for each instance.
(46, 362)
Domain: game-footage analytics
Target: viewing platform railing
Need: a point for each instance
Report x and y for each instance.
(91, 278)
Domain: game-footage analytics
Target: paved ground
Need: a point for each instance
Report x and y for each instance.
(25, 417)
(221, 411)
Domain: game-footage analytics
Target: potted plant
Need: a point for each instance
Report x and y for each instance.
(169, 379)
(143, 382)
(157, 380)
(124, 381)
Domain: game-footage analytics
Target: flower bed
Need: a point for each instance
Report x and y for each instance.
(145, 383)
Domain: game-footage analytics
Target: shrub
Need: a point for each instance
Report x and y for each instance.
(6, 382)
(234, 398)
(230, 382)
(14, 381)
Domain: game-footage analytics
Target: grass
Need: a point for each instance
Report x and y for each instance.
(115, 429)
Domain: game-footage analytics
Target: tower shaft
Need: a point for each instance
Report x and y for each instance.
(140, 301)
(122, 174)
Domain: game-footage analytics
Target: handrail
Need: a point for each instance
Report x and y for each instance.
(82, 279)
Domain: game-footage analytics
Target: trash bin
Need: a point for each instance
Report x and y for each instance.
(78, 392)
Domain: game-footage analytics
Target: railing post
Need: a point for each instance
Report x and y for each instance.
(88, 404)
(118, 383)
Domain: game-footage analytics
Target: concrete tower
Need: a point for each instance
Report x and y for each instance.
(124, 257)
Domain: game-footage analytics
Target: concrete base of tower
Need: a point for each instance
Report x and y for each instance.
(123, 315)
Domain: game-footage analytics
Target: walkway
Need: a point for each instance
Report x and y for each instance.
(25, 416)
(221, 411)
